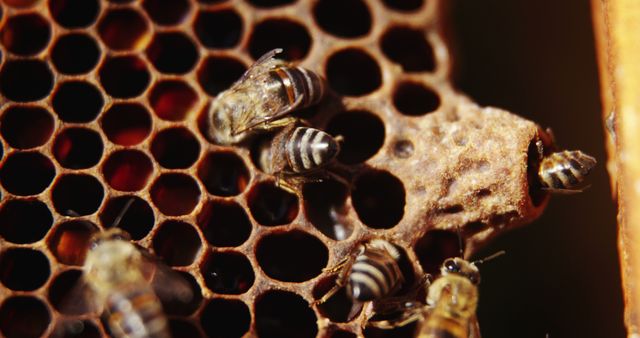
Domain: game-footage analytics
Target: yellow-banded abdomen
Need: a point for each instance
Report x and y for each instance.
(565, 170)
(136, 313)
(301, 85)
(375, 272)
(308, 149)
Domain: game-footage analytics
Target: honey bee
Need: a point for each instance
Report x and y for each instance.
(297, 151)
(561, 171)
(452, 299)
(117, 274)
(262, 98)
(370, 273)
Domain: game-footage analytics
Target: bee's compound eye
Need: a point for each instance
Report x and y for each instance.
(451, 265)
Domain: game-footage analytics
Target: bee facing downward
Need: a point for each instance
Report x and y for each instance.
(261, 99)
(298, 151)
(117, 272)
(370, 273)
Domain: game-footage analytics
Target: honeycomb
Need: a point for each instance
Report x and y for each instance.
(104, 101)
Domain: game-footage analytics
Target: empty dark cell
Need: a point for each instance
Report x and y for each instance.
(218, 73)
(127, 170)
(183, 329)
(225, 318)
(77, 195)
(78, 148)
(178, 307)
(70, 241)
(224, 224)
(228, 273)
(211, 2)
(137, 219)
(343, 18)
(173, 100)
(24, 221)
(25, 80)
(403, 5)
(271, 205)
(66, 285)
(288, 35)
(379, 198)
(324, 205)
(124, 76)
(77, 101)
(74, 13)
(23, 317)
(409, 48)
(363, 135)
(270, 3)
(218, 29)
(223, 174)
(342, 334)
(413, 99)
(172, 53)
(353, 72)
(26, 174)
(284, 314)
(75, 53)
(126, 124)
(166, 13)
(175, 194)
(76, 328)
(436, 246)
(25, 127)
(23, 269)
(175, 148)
(124, 29)
(292, 257)
(177, 243)
(25, 34)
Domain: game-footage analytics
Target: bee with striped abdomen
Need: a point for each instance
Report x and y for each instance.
(262, 99)
(565, 171)
(370, 273)
(298, 152)
(117, 274)
(452, 299)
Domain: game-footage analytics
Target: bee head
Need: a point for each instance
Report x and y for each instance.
(461, 267)
(112, 234)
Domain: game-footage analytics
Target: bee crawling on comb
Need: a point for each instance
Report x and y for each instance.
(562, 171)
(262, 99)
(298, 154)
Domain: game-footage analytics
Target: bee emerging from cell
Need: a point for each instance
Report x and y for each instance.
(297, 154)
(562, 171)
(262, 99)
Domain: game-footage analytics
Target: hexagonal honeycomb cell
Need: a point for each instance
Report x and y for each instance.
(105, 102)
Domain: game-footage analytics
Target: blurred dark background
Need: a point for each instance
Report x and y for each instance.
(537, 58)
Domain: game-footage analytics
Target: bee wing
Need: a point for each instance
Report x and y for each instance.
(253, 121)
(166, 283)
(264, 63)
(79, 299)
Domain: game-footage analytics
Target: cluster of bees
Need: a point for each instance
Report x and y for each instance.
(117, 272)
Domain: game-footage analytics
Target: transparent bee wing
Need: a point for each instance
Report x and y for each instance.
(167, 284)
(76, 299)
(264, 63)
(254, 121)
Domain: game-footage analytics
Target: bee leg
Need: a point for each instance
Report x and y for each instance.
(407, 317)
(566, 191)
(344, 268)
(281, 182)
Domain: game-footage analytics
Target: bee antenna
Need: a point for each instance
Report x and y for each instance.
(460, 240)
(488, 258)
(124, 210)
